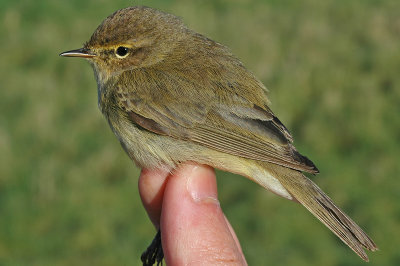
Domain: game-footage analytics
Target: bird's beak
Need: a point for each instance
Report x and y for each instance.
(82, 52)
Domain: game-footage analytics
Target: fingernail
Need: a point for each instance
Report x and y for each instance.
(201, 185)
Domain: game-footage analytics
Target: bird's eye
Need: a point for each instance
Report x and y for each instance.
(121, 51)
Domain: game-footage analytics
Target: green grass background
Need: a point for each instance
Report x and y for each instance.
(68, 193)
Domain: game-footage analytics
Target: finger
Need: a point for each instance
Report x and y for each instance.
(193, 226)
(151, 189)
(235, 237)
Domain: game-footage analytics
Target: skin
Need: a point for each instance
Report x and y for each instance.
(171, 95)
(191, 216)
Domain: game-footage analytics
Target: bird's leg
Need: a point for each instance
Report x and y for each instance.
(154, 253)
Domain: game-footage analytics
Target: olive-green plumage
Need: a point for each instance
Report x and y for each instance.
(172, 95)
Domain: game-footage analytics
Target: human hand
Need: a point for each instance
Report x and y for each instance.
(184, 205)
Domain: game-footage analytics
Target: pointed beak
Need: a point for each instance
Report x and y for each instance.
(82, 52)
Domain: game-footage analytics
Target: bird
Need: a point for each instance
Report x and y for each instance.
(172, 95)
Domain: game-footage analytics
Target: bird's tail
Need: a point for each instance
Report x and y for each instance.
(322, 207)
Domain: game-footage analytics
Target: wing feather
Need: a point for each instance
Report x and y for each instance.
(218, 117)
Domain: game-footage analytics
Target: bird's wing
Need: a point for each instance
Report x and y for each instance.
(216, 118)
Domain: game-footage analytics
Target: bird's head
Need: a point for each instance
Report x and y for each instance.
(134, 37)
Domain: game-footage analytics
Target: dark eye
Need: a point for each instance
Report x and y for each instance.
(121, 51)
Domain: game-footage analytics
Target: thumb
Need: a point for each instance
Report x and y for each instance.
(193, 226)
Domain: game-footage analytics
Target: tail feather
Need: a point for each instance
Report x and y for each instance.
(322, 207)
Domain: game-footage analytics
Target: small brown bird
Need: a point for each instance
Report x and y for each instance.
(171, 95)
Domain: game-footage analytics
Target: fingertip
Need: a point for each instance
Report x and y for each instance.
(193, 225)
(201, 184)
(151, 185)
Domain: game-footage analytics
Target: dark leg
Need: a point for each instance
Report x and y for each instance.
(154, 253)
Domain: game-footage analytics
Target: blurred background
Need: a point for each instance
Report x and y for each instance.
(68, 193)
